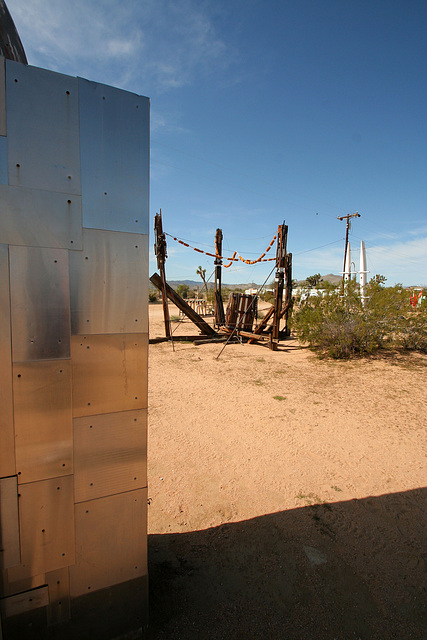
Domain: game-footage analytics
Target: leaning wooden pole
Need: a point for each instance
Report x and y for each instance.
(174, 297)
(282, 233)
(160, 251)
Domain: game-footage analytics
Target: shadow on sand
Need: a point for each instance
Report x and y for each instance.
(339, 571)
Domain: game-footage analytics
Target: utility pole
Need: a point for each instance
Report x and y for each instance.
(347, 228)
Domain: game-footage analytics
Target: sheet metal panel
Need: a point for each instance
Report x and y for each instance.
(10, 555)
(9, 587)
(42, 394)
(46, 527)
(114, 131)
(40, 303)
(58, 583)
(3, 160)
(43, 129)
(111, 542)
(109, 283)
(36, 218)
(7, 448)
(110, 454)
(109, 373)
(23, 602)
(3, 130)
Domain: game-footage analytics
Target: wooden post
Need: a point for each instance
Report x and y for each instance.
(288, 294)
(160, 251)
(282, 234)
(219, 305)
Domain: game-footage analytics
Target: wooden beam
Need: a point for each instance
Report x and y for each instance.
(174, 297)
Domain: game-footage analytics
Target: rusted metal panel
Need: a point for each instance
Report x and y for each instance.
(58, 583)
(23, 602)
(43, 129)
(9, 523)
(32, 217)
(3, 129)
(109, 283)
(7, 448)
(110, 454)
(40, 303)
(43, 419)
(111, 542)
(115, 147)
(109, 373)
(46, 525)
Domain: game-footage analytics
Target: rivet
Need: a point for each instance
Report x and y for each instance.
(18, 165)
(69, 201)
(68, 93)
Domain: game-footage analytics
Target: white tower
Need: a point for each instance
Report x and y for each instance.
(347, 270)
(363, 272)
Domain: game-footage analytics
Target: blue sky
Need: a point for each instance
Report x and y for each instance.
(264, 111)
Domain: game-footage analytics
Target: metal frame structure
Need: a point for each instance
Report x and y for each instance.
(74, 190)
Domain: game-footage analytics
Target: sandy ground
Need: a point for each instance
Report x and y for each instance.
(286, 493)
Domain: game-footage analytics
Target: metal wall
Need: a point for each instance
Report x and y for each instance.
(74, 179)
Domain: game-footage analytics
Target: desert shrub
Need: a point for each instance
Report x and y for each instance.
(152, 297)
(340, 326)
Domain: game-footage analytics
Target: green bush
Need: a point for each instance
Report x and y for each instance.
(340, 326)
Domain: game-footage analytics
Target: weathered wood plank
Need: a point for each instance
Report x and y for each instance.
(174, 297)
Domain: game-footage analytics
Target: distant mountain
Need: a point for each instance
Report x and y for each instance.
(193, 284)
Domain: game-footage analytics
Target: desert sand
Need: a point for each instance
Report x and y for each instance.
(286, 495)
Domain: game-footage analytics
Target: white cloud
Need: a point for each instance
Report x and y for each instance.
(141, 45)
